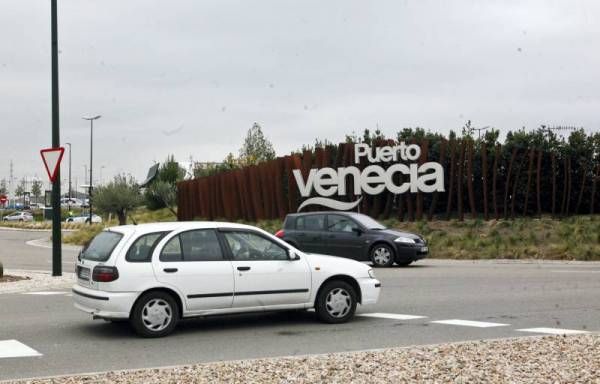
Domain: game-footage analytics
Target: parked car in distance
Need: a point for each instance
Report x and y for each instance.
(156, 274)
(84, 219)
(65, 202)
(352, 235)
(19, 216)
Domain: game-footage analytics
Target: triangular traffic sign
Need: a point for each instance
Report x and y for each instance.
(52, 158)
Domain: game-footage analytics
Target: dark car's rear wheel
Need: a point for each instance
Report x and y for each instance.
(382, 255)
(336, 302)
(155, 314)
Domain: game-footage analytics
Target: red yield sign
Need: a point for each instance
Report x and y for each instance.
(52, 158)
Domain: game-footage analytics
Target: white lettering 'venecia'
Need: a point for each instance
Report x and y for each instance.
(374, 179)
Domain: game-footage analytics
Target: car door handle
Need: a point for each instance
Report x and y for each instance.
(243, 268)
(170, 270)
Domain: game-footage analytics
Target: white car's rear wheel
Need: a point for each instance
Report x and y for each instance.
(155, 314)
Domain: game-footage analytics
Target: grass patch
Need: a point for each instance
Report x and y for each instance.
(573, 238)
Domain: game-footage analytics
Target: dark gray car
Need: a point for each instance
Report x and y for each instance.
(352, 235)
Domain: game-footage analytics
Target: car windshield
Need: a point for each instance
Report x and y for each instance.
(368, 222)
(101, 246)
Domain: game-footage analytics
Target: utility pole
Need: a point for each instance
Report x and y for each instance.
(56, 234)
(91, 120)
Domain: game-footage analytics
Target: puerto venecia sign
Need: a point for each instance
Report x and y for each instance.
(373, 179)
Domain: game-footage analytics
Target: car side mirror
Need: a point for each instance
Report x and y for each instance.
(293, 255)
(358, 231)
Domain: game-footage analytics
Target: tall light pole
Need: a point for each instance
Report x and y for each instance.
(91, 120)
(69, 204)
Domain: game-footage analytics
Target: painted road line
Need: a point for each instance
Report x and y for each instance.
(574, 271)
(470, 323)
(553, 331)
(46, 293)
(393, 316)
(14, 348)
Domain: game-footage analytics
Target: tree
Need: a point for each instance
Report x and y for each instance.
(256, 148)
(3, 187)
(169, 172)
(36, 189)
(119, 196)
(165, 193)
(20, 190)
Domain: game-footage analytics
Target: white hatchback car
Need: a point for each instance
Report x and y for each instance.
(156, 274)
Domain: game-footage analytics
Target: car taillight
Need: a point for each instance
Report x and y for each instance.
(280, 233)
(105, 274)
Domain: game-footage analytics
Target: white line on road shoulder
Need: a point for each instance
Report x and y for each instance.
(46, 293)
(394, 316)
(14, 348)
(470, 323)
(553, 331)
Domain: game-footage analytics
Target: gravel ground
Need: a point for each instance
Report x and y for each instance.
(549, 359)
(36, 281)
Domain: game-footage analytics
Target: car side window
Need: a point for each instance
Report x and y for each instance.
(339, 223)
(141, 250)
(172, 250)
(251, 246)
(311, 223)
(201, 245)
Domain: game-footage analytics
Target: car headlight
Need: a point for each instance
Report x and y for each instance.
(405, 240)
(371, 274)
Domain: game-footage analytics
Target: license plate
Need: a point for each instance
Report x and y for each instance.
(424, 249)
(83, 273)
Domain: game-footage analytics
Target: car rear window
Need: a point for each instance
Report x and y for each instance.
(310, 223)
(101, 246)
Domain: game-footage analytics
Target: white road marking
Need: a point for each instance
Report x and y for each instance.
(46, 293)
(574, 271)
(470, 323)
(14, 348)
(553, 331)
(394, 316)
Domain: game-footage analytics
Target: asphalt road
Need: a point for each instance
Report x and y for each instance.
(518, 295)
(15, 254)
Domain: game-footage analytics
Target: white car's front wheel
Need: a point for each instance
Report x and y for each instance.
(336, 302)
(155, 314)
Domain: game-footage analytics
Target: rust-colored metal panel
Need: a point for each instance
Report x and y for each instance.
(279, 187)
(256, 193)
(319, 157)
(422, 159)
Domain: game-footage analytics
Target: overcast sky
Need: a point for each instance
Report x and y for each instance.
(190, 77)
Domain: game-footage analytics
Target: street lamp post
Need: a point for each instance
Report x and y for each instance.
(91, 120)
(69, 203)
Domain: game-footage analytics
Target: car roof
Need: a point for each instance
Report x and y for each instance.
(175, 226)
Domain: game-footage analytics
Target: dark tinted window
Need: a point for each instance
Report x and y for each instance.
(250, 246)
(339, 223)
(172, 250)
(101, 246)
(201, 245)
(141, 249)
(311, 223)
